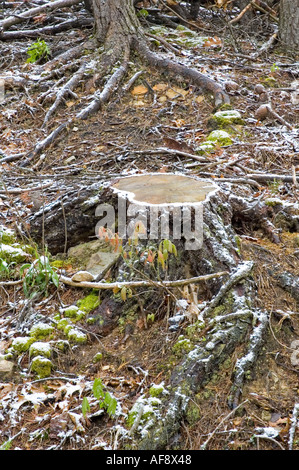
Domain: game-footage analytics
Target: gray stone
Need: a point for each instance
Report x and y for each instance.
(6, 369)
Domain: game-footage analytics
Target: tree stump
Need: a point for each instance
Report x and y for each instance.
(197, 216)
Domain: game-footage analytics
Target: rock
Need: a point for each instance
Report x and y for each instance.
(82, 276)
(94, 258)
(230, 85)
(220, 137)
(225, 119)
(259, 88)
(42, 366)
(262, 112)
(6, 369)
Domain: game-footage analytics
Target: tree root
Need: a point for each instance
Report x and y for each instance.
(255, 214)
(65, 90)
(244, 364)
(175, 69)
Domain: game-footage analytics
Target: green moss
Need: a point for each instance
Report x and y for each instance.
(220, 137)
(182, 346)
(194, 329)
(41, 330)
(192, 413)
(97, 357)
(41, 366)
(22, 344)
(76, 336)
(13, 253)
(40, 349)
(63, 324)
(74, 313)
(205, 148)
(7, 236)
(156, 390)
(272, 202)
(89, 303)
(62, 345)
(270, 82)
(225, 119)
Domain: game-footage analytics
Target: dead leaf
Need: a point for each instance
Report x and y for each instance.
(160, 87)
(175, 145)
(213, 42)
(139, 90)
(40, 18)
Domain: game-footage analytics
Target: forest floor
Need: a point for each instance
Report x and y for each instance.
(125, 138)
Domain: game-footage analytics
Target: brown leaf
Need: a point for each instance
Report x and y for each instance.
(175, 145)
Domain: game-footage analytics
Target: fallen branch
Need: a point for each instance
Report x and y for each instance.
(15, 19)
(143, 283)
(47, 30)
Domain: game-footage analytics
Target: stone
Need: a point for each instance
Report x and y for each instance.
(82, 276)
(6, 369)
(94, 258)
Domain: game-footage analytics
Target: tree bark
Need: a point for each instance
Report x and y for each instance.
(289, 24)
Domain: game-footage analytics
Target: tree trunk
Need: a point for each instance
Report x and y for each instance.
(289, 24)
(115, 21)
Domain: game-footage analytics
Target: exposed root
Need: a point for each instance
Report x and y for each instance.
(175, 69)
(99, 100)
(244, 364)
(256, 215)
(65, 90)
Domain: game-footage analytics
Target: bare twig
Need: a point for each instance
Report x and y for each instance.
(15, 19)
(143, 283)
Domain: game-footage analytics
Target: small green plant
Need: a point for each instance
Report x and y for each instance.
(274, 186)
(85, 406)
(6, 269)
(154, 256)
(106, 400)
(143, 13)
(38, 276)
(274, 68)
(37, 51)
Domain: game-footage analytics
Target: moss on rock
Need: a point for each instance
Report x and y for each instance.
(41, 366)
(225, 119)
(220, 137)
(89, 303)
(41, 330)
(21, 344)
(40, 348)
